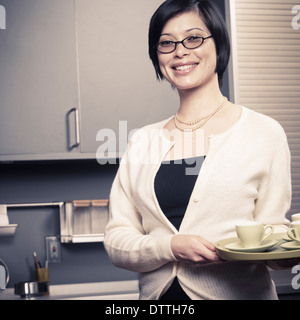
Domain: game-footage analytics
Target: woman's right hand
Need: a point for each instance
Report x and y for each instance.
(193, 249)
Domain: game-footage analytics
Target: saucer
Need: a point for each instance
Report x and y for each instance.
(236, 246)
(292, 245)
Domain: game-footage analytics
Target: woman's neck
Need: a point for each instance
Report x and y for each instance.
(198, 102)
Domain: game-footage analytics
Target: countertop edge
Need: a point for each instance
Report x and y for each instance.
(94, 290)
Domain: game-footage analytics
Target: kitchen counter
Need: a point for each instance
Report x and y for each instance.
(129, 290)
(113, 290)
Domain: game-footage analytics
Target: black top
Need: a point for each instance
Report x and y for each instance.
(174, 184)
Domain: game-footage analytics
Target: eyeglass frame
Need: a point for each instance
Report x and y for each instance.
(182, 42)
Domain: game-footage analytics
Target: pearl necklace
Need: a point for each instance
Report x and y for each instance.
(196, 124)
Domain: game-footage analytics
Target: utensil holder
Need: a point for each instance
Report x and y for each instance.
(43, 276)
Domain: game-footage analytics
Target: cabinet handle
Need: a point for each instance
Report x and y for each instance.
(77, 133)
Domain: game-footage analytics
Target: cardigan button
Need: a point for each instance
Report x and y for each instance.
(196, 199)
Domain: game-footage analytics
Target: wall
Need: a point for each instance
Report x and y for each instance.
(46, 181)
(27, 182)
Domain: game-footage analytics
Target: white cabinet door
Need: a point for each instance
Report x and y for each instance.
(38, 78)
(117, 79)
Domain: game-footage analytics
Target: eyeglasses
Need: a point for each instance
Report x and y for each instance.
(191, 42)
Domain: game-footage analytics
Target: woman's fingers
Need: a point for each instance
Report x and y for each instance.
(193, 249)
(206, 243)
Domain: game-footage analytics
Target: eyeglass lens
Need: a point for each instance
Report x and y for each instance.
(189, 43)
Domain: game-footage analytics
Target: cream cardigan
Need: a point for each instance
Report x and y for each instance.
(245, 176)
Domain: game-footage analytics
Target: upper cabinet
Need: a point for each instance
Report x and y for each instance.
(38, 79)
(71, 69)
(117, 79)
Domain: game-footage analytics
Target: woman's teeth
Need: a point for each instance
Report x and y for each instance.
(187, 67)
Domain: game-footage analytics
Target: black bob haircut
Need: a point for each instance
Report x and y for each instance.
(212, 18)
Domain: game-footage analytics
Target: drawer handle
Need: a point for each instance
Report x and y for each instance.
(77, 133)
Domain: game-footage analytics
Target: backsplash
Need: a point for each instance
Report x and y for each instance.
(45, 181)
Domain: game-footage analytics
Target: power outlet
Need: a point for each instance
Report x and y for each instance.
(53, 249)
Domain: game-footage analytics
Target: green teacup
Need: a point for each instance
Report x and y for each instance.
(252, 234)
(294, 231)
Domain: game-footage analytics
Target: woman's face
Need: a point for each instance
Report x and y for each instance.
(188, 68)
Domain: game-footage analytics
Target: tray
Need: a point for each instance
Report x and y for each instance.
(274, 253)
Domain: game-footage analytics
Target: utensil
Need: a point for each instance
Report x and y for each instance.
(37, 264)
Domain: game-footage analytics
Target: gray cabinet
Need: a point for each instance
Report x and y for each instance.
(38, 79)
(117, 79)
(71, 68)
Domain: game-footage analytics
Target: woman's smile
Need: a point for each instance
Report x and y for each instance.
(182, 68)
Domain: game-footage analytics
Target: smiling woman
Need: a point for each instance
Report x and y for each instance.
(165, 217)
